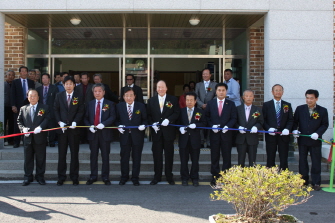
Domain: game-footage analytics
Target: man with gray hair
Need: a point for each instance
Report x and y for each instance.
(109, 95)
(9, 116)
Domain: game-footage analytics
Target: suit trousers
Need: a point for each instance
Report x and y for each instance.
(37, 151)
(157, 150)
(9, 122)
(185, 153)
(17, 139)
(52, 134)
(271, 150)
(136, 155)
(244, 148)
(225, 148)
(315, 152)
(64, 140)
(99, 143)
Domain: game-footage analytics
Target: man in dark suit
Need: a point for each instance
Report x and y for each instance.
(47, 94)
(100, 113)
(131, 113)
(220, 113)
(34, 117)
(278, 117)
(9, 115)
(130, 83)
(19, 91)
(249, 117)
(109, 95)
(69, 110)
(163, 110)
(310, 119)
(190, 140)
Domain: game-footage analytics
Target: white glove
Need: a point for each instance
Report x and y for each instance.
(315, 136)
(225, 129)
(100, 126)
(25, 130)
(241, 129)
(121, 130)
(272, 130)
(92, 129)
(295, 133)
(37, 130)
(215, 130)
(165, 122)
(62, 124)
(141, 127)
(285, 132)
(155, 127)
(254, 129)
(182, 130)
(73, 125)
(192, 126)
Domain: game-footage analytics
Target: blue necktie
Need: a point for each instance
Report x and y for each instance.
(24, 89)
(278, 113)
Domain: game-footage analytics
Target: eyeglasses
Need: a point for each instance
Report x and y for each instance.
(129, 79)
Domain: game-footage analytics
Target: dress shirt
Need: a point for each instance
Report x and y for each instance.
(95, 107)
(192, 110)
(275, 103)
(218, 101)
(130, 85)
(206, 84)
(131, 107)
(311, 110)
(233, 91)
(67, 95)
(163, 99)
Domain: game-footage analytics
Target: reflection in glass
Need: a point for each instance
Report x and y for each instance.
(236, 42)
(136, 41)
(37, 41)
(38, 63)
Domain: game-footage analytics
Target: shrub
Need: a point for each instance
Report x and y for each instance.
(259, 192)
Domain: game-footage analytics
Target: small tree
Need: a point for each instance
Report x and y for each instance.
(259, 193)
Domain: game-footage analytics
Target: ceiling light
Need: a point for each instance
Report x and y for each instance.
(194, 21)
(75, 21)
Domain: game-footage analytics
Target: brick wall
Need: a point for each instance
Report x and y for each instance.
(256, 69)
(14, 48)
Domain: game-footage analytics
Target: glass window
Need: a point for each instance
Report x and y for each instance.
(87, 41)
(138, 68)
(37, 41)
(38, 63)
(136, 41)
(236, 42)
(239, 68)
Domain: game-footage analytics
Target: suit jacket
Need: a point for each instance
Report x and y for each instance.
(138, 91)
(89, 93)
(228, 118)
(139, 117)
(204, 96)
(107, 118)
(109, 95)
(155, 115)
(270, 119)
(308, 125)
(249, 138)
(69, 114)
(60, 86)
(191, 134)
(24, 121)
(52, 92)
(8, 94)
(17, 92)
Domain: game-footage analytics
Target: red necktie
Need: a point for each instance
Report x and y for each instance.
(97, 114)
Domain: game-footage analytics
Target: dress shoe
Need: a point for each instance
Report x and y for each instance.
(52, 144)
(16, 145)
(184, 183)
(195, 183)
(60, 182)
(213, 183)
(202, 146)
(171, 182)
(317, 187)
(41, 181)
(25, 183)
(75, 182)
(154, 182)
(122, 182)
(90, 181)
(136, 183)
(107, 182)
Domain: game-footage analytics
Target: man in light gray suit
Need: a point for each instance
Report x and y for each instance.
(206, 92)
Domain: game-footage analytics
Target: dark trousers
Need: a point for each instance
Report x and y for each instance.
(64, 140)
(271, 150)
(225, 148)
(315, 153)
(99, 143)
(157, 150)
(136, 155)
(37, 151)
(185, 153)
(52, 134)
(9, 123)
(17, 139)
(244, 148)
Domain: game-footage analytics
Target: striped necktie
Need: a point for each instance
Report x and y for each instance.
(278, 113)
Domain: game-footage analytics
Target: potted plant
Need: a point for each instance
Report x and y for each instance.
(259, 193)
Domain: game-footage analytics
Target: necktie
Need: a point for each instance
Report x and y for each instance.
(189, 115)
(97, 115)
(220, 107)
(45, 95)
(161, 103)
(68, 100)
(247, 113)
(24, 88)
(278, 113)
(130, 114)
(32, 113)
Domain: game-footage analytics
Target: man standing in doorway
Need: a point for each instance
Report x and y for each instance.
(32, 76)
(233, 93)
(109, 95)
(77, 78)
(130, 83)
(60, 84)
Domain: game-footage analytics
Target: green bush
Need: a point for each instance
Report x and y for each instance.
(259, 192)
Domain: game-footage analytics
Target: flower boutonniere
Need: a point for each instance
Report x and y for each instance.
(208, 89)
(285, 108)
(315, 115)
(75, 101)
(105, 108)
(138, 112)
(169, 104)
(197, 116)
(256, 114)
(41, 112)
